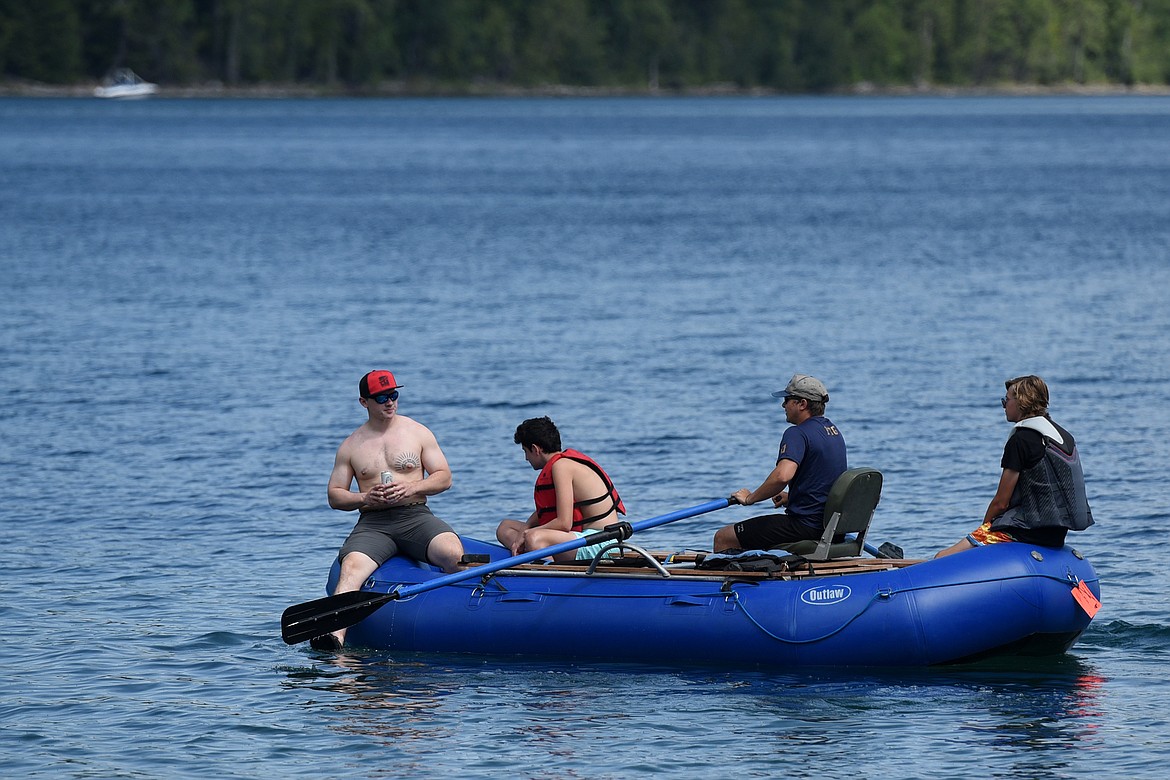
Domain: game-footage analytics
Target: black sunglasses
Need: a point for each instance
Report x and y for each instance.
(382, 398)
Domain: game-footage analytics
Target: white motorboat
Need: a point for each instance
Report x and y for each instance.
(125, 83)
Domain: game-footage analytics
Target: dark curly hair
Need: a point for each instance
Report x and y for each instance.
(540, 431)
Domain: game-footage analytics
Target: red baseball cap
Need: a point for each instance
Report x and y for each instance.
(377, 382)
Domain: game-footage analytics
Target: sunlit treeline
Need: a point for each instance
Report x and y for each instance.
(791, 45)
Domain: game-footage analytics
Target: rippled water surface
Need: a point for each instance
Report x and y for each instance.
(193, 288)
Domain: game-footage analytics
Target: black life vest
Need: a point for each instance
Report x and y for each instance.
(1051, 493)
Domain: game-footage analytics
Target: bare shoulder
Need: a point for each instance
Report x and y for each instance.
(360, 434)
(414, 428)
(567, 467)
(350, 445)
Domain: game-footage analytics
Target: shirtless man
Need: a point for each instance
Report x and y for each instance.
(574, 496)
(394, 516)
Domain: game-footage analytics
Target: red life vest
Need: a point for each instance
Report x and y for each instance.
(545, 495)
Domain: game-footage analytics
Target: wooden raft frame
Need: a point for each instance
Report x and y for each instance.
(634, 565)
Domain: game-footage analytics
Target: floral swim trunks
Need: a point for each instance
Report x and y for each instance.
(984, 535)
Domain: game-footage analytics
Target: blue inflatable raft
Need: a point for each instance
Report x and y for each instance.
(1002, 599)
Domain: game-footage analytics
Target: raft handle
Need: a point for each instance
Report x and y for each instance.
(621, 545)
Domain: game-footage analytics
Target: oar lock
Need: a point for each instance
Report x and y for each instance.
(619, 531)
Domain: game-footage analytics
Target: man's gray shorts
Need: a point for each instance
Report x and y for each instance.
(384, 533)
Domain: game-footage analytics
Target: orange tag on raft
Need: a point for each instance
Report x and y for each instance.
(1086, 599)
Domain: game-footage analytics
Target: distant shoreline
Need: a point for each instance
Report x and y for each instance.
(16, 88)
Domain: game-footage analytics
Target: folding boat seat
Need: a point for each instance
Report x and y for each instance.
(848, 510)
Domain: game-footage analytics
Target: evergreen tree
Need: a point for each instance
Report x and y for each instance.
(790, 45)
(40, 41)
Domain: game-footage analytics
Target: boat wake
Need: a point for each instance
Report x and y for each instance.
(1145, 637)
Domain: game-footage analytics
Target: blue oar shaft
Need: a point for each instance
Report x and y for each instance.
(869, 548)
(556, 549)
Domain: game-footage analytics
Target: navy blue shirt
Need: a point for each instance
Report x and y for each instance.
(818, 449)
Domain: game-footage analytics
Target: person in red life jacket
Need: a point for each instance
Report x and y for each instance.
(574, 496)
(1041, 494)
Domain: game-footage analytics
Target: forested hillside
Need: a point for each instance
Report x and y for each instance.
(788, 45)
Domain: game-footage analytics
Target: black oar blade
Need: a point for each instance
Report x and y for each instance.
(309, 609)
(321, 616)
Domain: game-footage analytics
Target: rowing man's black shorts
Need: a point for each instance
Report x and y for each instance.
(766, 532)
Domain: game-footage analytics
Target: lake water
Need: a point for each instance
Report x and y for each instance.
(192, 289)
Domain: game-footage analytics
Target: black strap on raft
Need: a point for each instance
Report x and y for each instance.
(751, 560)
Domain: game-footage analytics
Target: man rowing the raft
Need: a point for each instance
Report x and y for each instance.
(812, 455)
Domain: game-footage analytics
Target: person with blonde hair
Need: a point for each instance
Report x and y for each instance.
(1041, 494)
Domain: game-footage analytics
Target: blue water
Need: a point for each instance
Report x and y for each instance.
(193, 288)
